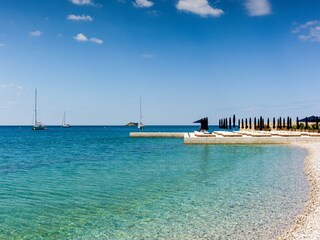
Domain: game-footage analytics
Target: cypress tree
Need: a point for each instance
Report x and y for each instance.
(261, 123)
(239, 123)
(250, 124)
(298, 124)
(280, 123)
(255, 123)
(284, 122)
(290, 126)
(246, 123)
(274, 123)
(230, 126)
(268, 123)
(242, 125)
(288, 123)
(234, 120)
(317, 122)
(306, 127)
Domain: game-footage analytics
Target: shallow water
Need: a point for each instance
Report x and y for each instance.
(97, 183)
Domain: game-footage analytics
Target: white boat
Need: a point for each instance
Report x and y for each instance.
(37, 125)
(140, 124)
(64, 124)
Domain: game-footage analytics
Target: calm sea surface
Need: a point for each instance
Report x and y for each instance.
(97, 183)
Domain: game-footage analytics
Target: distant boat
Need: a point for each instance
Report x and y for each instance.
(64, 124)
(37, 125)
(140, 124)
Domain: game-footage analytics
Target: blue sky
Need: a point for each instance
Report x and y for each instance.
(187, 59)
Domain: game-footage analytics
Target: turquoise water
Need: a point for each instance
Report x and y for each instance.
(97, 183)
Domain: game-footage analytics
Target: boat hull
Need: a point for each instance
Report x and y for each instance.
(38, 128)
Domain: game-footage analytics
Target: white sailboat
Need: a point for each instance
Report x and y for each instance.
(64, 124)
(37, 125)
(140, 124)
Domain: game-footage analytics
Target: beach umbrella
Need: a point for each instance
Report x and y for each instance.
(250, 124)
(203, 123)
(310, 119)
(198, 121)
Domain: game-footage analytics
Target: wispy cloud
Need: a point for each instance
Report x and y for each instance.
(10, 85)
(143, 3)
(96, 40)
(82, 2)
(36, 33)
(83, 38)
(309, 31)
(199, 7)
(147, 55)
(258, 7)
(85, 18)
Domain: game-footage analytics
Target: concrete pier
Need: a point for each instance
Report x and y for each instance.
(156, 134)
(251, 140)
(235, 138)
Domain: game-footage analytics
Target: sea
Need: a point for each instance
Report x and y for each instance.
(95, 182)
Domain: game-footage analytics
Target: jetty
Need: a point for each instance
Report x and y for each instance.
(236, 137)
(157, 134)
(249, 131)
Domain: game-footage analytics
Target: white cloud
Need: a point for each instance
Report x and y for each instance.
(309, 31)
(82, 2)
(200, 7)
(36, 33)
(96, 40)
(143, 3)
(82, 38)
(258, 7)
(85, 18)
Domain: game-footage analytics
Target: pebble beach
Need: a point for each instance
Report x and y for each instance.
(307, 224)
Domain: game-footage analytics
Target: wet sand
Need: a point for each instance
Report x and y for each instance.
(307, 224)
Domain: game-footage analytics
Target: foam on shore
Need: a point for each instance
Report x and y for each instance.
(307, 224)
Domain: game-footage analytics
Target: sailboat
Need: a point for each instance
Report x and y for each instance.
(37, 125)
(140, 124)
(64, 124)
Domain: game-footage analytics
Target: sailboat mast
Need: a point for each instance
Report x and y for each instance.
(140, 110)
(35, 108)
(64, 118)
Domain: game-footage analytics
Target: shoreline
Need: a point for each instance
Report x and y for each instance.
(307, 224)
